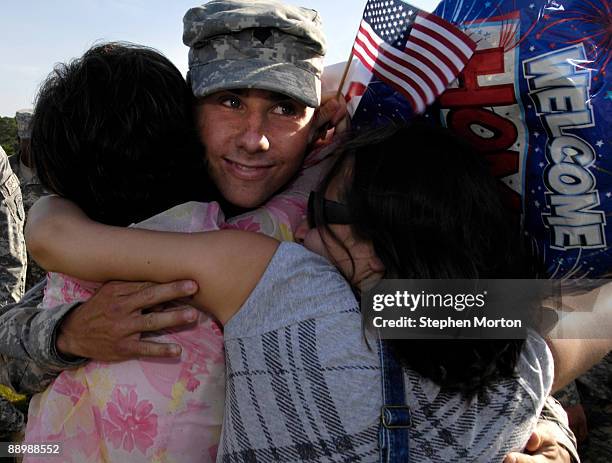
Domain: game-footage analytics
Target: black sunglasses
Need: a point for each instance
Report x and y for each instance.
(333, 211)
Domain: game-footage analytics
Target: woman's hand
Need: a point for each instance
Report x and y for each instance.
(331, 118)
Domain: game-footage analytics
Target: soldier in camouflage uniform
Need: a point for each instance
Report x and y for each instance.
(31, 189)
(12, 269)
(591, 395)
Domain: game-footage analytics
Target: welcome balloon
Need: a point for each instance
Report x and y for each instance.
(536, 101)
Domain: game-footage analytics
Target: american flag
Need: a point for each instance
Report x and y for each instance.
(415, 53)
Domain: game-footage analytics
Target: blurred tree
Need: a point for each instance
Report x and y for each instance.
(8, 135)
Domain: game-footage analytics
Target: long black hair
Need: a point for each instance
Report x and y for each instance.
(115, 132)
(432, 210)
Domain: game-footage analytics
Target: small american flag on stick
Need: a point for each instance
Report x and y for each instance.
(416, 53)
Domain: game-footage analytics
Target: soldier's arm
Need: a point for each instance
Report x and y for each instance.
(29, 357)
(37, 344)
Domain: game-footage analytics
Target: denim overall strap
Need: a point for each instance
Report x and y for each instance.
(394, 432)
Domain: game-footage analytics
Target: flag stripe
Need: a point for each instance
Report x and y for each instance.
(403, 66)
(380, 61)
(374, 49)
(416, 101)
(437, 47)
(436, 72)
(465, 44)
(399, 84)
(440, 59)
(390, 79)
(365, 27)
(433, 79)
(413, 47)
(447, 44)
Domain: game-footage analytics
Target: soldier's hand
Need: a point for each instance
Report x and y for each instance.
(332, 114)
(108, 327)
(542, 447)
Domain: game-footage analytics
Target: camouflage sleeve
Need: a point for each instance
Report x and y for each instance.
(555, 416)
(28, 356)
(11, 419)
(12, 245)
(568, 396)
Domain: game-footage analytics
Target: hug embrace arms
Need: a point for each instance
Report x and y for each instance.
(315, 299)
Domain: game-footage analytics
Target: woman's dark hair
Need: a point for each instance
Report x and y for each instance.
(114, 131)
(432, 210)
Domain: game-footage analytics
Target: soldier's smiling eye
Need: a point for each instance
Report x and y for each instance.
(286, 109)
(231, 101)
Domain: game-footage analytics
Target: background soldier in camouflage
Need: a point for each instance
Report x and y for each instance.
(12, 270)
(31, 189)
(12, 244)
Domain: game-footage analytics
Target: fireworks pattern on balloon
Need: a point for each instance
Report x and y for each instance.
(590, 19)
(594, 21)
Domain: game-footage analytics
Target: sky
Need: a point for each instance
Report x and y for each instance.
(37, 34)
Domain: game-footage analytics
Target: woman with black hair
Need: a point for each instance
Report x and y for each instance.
(302, 382)
(114, 131)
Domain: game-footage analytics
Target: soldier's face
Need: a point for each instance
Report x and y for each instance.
(255, 142)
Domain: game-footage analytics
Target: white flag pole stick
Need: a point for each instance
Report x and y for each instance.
(344, 74)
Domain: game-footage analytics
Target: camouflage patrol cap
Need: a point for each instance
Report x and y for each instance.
(24, 118)
(261, 44)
